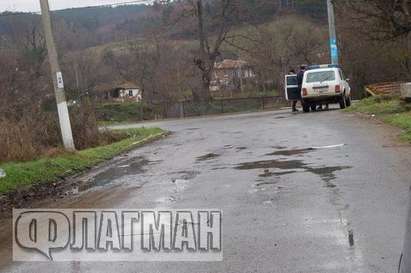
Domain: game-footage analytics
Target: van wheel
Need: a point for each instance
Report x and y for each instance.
(306, 107)
(342, 102)
(348, 101)
(313, 107)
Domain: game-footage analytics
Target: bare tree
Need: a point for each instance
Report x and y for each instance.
(386, 19)
(220, 19)
(372, 48)
(275, 48)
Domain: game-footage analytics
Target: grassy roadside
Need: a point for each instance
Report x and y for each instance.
(50, 169)
(391, 110)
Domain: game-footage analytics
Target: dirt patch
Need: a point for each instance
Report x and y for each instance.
(207, 157)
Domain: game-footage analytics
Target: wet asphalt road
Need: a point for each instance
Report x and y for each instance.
(286, 208)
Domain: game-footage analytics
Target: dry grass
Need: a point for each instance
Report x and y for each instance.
(37, 134)
(26, 138)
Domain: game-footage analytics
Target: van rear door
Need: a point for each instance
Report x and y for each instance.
(292, 92)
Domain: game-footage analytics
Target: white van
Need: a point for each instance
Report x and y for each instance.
(322, 84)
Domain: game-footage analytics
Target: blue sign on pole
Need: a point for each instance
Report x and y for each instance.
(334, 51)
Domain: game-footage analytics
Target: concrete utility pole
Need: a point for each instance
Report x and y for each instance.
(333, 33)
(57, 76)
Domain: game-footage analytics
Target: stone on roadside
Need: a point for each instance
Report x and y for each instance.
(2, 173)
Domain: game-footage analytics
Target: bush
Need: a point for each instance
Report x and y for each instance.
(38, 133)
(123, 112)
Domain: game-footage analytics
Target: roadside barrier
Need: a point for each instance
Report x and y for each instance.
(385, 88)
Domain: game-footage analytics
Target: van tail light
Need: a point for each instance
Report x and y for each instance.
(305, 92)
(338, 88)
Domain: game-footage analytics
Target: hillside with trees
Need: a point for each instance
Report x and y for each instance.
(169, 50)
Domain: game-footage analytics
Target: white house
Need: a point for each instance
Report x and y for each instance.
(125, 92)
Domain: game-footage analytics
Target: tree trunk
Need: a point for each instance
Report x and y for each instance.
(408, 61)
(204, 63)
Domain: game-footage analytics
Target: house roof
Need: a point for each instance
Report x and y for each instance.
(230, 64)
(127, 85)
(106, 87)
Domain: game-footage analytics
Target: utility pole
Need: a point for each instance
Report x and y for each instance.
(333, 33)
(64, 118)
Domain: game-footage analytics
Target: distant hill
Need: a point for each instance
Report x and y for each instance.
(94, 18)
(81, 28)
(84, 26)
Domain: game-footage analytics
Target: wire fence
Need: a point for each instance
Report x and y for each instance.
(134, 112)
(220, 106)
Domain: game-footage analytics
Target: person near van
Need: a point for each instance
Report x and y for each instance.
(300, 78)
(294, 102)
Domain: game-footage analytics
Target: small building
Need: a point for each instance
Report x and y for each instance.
(232, 75)
(127, 91)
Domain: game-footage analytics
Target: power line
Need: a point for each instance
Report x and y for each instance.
(130, 2)
(114, 4)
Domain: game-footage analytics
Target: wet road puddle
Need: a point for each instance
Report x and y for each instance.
(181, 181)
(290, 152)
(131, 166)
(269, 183)
(327, 174)
(184, 179)
(267, 173)
(282, 151)
(272, 164)
(184, 175)
(207, 157)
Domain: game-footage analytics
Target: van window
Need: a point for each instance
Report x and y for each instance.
(323, 76)
(292, 80)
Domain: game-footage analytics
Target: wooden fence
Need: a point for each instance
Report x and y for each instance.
(386, 88)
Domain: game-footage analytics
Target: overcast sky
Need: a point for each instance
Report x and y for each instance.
(34, 6)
